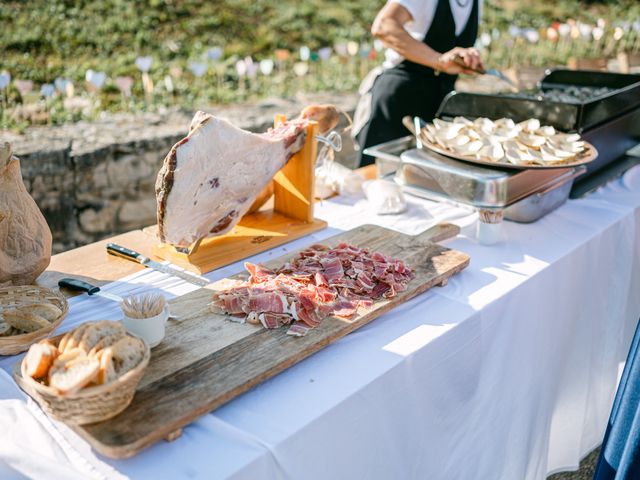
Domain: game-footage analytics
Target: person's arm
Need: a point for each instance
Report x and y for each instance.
(388, 26)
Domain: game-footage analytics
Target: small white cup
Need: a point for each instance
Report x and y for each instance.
(150, 329)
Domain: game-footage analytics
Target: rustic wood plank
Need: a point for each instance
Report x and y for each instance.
(206, 360)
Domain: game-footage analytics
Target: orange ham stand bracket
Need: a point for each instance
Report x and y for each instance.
(290, 218)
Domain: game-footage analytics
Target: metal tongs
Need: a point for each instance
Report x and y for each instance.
(492, 71)
(415, 126)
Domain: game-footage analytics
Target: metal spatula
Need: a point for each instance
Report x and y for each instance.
(492, 71)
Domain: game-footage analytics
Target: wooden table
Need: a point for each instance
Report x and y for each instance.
(93, 264)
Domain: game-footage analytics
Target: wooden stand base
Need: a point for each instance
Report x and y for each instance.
(254, 234)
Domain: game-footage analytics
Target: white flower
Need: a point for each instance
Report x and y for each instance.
(485, 39)
(305, 53)
(324, 53)
(353, 48)
(168, 83)
(514, 31)
(252, 68)
(241, 68)
(564, 30)
(144, 63)
(585, 30)
(341, 49)
(597, 33)
(124, 84)
(301, 68)
(531, 35)
(618, 33)
(266, 66)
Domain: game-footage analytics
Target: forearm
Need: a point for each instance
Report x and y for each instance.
(394, 36)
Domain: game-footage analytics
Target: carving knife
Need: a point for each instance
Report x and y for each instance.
(164, 267)
(82, 286)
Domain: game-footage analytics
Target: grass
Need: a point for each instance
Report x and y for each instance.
(44, 39)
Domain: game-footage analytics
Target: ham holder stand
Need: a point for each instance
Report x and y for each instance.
(290, 217)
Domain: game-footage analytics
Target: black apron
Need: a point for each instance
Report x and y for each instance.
(413, 89)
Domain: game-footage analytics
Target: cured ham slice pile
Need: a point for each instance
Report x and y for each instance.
(318, 283)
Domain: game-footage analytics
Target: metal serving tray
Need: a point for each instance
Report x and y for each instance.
(526, 195)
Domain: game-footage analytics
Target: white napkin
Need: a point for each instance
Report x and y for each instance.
(31, 446)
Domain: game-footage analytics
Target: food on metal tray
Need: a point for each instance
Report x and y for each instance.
(320, 282)
(94, 353)
(504, 141)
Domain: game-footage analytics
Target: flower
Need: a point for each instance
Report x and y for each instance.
(47, 90)
(618, 33)
(514, 31)
(96, 79)
(61, 84)
(305, 54)
(352, 48)
(241, 68)
(124, 84)
(215, 53)
(378, 45)
(341, 49)
(266, 66)
(564, 30)
(485, 39)
(324, 53)
(252, 68)
(198, 68)
(301, 68)
(531, 35)
(24, 86)
(168, 83)
(282, 55)
(585, 30)
(5, 79)
(552, 34)
(144, 63)
(597, 33)
(601, 23)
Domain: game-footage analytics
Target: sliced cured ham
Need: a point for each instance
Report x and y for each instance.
(320, 282)
(210, 178)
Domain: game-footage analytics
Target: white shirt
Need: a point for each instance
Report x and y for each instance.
(423, 12)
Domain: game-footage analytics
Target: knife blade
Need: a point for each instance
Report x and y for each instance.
(82, 286)
(164, 267)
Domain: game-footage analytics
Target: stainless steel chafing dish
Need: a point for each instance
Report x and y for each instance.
(518, 195)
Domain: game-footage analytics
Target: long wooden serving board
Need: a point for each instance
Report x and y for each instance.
(206, 360)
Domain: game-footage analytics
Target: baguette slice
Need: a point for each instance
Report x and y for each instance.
(25, 321)
(69, 377)
(106, 342)
(107, 371)
(72, 338)
(97, 331)
(39, 359)
(48, 311)
(127, 353)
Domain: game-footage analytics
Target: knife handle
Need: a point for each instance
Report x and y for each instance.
(78, 285)
(460, 62)
(123, 252)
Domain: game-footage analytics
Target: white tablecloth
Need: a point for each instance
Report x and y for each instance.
(508, 372)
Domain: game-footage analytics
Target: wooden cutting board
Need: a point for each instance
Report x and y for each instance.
(206, 360)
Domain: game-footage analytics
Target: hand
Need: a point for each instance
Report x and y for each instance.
(469, 56)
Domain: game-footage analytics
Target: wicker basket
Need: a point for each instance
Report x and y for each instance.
(18, 296)
(90, 404)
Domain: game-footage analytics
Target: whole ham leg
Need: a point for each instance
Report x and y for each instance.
(210, 178)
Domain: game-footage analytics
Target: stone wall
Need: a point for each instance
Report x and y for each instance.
(96, 179)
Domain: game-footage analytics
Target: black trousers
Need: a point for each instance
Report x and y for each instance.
(395, 94)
